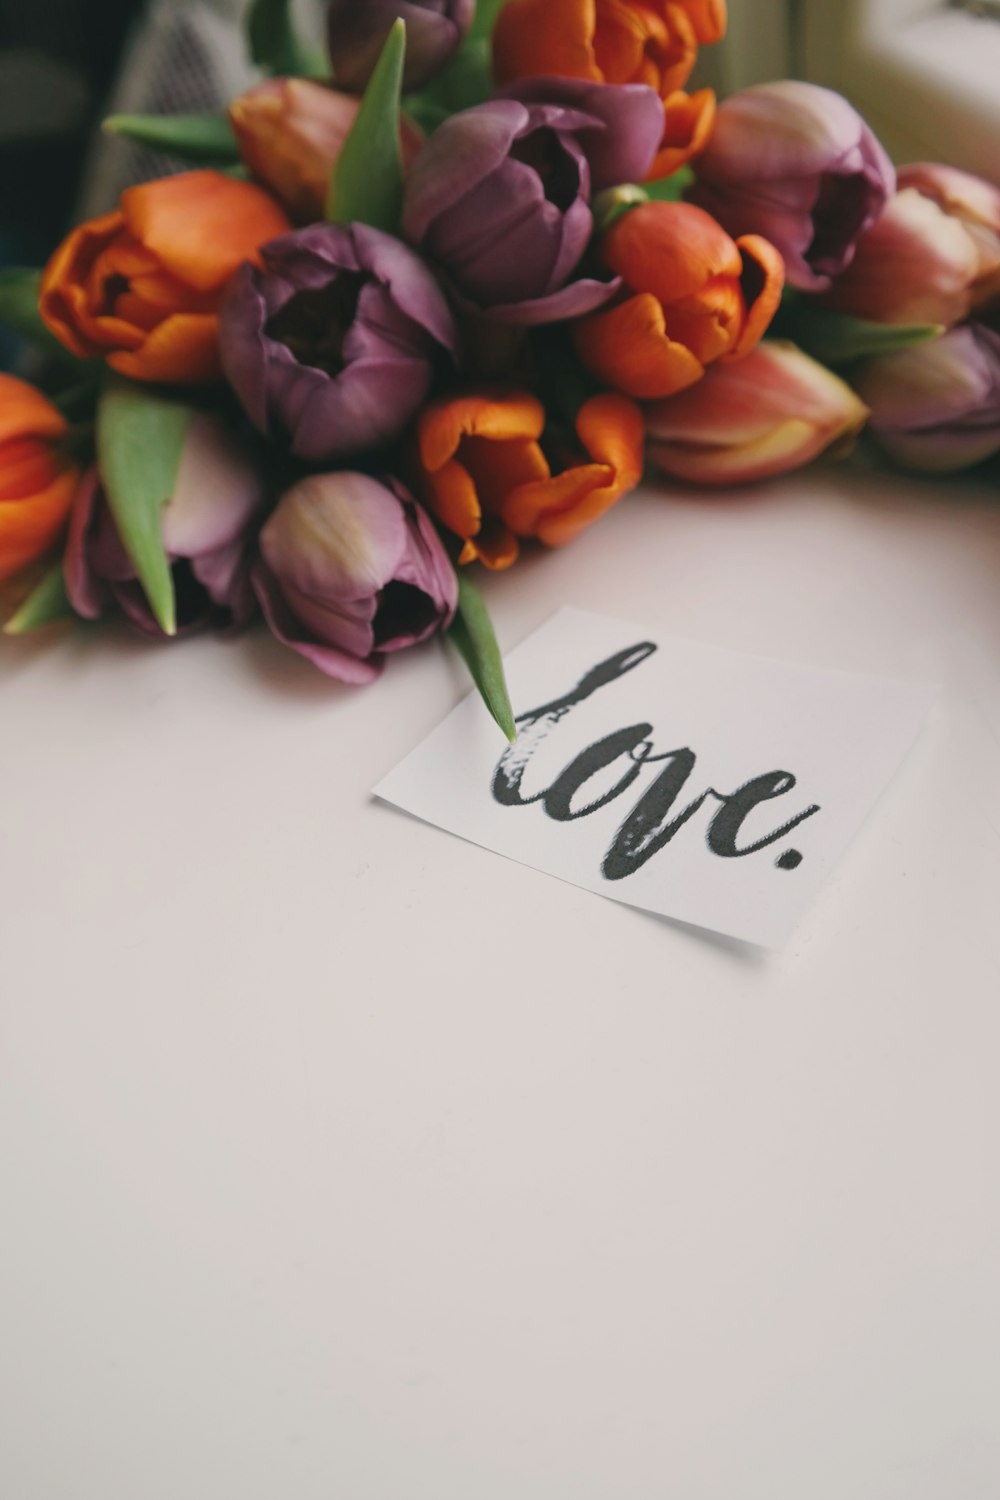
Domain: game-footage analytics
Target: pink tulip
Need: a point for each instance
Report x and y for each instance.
(937, 406)
(973, 201)
(290, 133)
(775, 410)
(921, 263)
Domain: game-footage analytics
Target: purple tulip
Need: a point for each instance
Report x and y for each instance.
(357, 29)
(350, 569)
(333, 343)
(206, 527)
(499, 194)
(937, 406)
(797, 164)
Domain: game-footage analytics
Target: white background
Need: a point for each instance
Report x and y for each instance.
(342, 1158)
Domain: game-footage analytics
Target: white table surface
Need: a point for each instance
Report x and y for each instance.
(343, 1160)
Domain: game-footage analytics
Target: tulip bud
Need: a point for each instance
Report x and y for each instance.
(797, 164)
(937, 406)
(290, 132)
(917, 264)
(36, 481)
(357, 29)
(350, 569)
(205, 525)
(773, 411)
(933, 256)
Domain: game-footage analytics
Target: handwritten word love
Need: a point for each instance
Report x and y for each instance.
(652, 822)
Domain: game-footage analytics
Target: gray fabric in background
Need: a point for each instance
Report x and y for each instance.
(183, 56)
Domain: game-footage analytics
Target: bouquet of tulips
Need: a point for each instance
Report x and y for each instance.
(441, 293)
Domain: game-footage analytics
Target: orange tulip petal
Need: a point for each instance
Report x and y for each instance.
(678, 57)
(762, 282)
(708, 17)
(627, 346)
(202, 225)
(538, 38)
(25, 412)
(29, 527)
(182, 350)
(688, 121)
(61, 296)
(669, 249)
(498, 467)
(443, 424)
(710, 323)
(495, 546)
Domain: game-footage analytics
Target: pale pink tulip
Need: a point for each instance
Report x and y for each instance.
(775, 410)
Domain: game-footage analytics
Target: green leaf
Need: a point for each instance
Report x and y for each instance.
(670, 189)
(275, 44)
(473, 634)
(838, 338)
(485, 19)
(140, 437)
(46, 602)
(200, 138)
(367, 184)
(19, 310)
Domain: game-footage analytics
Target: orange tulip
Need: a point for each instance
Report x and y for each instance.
(482, 471)
(36, 482)
(142, 286)
(654, 42)
(694, 296)
(612, 41)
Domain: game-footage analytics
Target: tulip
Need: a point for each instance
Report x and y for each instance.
(357, 29)
(937, 406)
(797, 164)
(333, 343)
(36, 481)
(206, 527)
(351, 569)
(775, 410)
(141, 286)
(290, 132)
(933, 256)
(483, 472)
(693, 296)
(499, 194)
(652, 42)
(611, 41)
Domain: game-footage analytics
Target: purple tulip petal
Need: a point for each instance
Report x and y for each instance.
(570, 302)
(284, 625)
(86, 591)
(465, 149)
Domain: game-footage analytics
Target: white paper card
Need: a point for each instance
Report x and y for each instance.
(702, 784)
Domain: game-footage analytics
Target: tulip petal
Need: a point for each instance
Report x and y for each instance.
(25, 412)
(533, 37)
(284, 625)
(571, 301)
(627, 346)
(686, 129)
(182, 350)
(500, 416)
(762, 281)
(669, 249)
(464, 150)
(29, 527)
(202, 225)
(708, 17)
